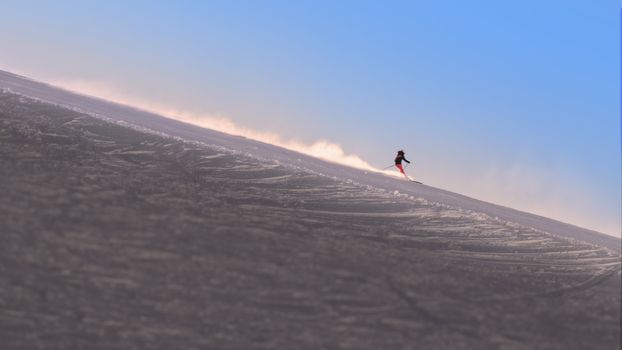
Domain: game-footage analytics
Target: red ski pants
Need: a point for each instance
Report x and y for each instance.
(399, 166)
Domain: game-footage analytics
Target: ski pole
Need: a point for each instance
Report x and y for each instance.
(388, 167)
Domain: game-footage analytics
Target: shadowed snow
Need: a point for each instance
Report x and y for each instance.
(122, 230)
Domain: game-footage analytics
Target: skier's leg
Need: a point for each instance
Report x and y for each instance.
(401, 169)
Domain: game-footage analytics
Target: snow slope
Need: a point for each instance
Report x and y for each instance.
(150, 121)
(122, 229)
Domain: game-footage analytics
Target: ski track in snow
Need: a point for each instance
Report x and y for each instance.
(120, 236)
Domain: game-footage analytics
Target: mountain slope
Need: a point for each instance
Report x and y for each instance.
(120, 113)
(115, 237)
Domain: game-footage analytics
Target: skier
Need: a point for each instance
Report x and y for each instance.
(398, 162)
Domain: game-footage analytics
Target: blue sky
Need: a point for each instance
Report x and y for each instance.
(512, 102)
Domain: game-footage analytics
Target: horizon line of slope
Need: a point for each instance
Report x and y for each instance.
(144, 119)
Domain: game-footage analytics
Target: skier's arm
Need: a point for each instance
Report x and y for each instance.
(406, 160)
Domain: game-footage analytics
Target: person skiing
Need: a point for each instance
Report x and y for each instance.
(398, 161)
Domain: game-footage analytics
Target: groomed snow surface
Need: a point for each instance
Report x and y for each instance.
(121, 236)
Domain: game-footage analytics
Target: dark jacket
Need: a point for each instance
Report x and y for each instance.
(400, 157)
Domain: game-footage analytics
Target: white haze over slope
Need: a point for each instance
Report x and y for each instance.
(322, 149)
